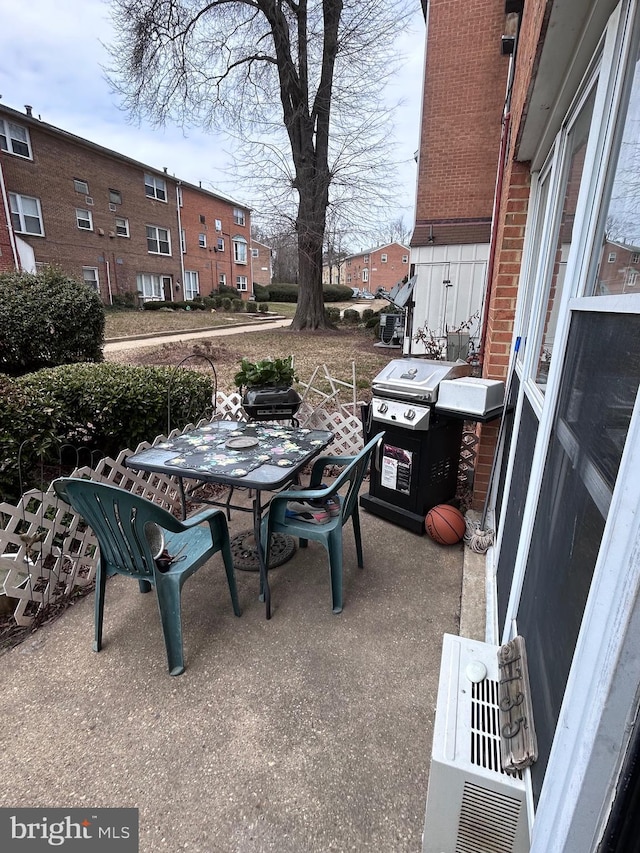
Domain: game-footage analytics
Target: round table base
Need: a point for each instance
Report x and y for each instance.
(245, 556)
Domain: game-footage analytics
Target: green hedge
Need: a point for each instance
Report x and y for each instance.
(177, 305)
(102, 407)
(48, 319)
(262, 294)
(289, 293)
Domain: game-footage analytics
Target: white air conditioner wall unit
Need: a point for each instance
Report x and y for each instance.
(473, 806)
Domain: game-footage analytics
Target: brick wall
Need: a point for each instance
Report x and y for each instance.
(7, 262)
(463, 97)
(261, 264)
(514, 203)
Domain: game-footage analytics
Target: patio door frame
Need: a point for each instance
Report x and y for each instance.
(601, 697)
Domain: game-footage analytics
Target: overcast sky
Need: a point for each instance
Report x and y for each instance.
(51, 57)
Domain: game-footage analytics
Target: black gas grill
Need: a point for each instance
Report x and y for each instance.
(421, 448)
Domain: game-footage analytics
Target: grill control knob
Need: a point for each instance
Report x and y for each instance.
(410, 414)
(382, 408)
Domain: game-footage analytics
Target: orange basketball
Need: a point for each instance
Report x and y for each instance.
(445, 524)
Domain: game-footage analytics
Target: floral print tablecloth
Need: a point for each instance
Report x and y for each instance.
(206, 449)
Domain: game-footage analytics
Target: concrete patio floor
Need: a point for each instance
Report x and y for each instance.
(309, 732)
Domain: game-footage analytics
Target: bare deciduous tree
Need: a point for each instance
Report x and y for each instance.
(297, 81)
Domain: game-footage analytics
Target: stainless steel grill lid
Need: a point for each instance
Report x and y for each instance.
(416, 379)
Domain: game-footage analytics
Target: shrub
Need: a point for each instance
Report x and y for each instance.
(252, 307)
(262, 294)
(336, 293)
(124, 302)
(283, 292)
(238, 305)
(367, 314)
(332, 314)
(351, 316)
(103, 407)
(263, 308)
(48, 319)
(226, 303)
(224, 290)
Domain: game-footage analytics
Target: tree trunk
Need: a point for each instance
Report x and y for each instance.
(310, 226)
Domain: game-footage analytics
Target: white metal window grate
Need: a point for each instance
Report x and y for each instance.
(485, 726)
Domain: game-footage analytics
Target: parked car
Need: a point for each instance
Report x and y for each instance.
(381, 293)
(366, 294)
(356, 293)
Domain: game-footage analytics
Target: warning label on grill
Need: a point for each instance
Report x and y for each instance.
(396, 468)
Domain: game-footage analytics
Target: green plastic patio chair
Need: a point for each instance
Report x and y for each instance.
(329, 533)
(127, 529)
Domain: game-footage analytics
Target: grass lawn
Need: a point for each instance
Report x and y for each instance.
(121, 324)
(337, 350)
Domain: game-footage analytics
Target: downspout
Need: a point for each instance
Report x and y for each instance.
(106, 263)
(7, 212)
(178, 186)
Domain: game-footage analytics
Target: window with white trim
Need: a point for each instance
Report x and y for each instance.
(383, 259)
(81, 186)
(151, 288)
(365, 259)
(220, 246)
(241, 282)
(14, 139)
(155, 187)
(183, 241)
(202, 241)
(122, 226)
(405, 259)
(255, 253)
(90, 276)
(26, 214)
(222, 280)
(84, 219)
(158, 240)
(240, 250)
(218, 225)
(612, 258)
(365, 275)
(191, 284)
(238, 216)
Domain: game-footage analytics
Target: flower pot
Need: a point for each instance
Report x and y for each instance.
(267, 404)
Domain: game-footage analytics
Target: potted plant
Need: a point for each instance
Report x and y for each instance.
(268, 393)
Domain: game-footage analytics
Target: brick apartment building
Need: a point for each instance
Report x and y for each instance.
(262, 263)
(122, 226)
(371, 269)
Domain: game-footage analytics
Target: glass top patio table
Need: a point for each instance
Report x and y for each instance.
(259, 456)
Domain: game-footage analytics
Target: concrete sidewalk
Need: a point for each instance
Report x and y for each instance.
(116, 344)
(305, 734)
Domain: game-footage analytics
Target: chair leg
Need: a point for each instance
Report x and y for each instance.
(144, 586)
(101, 586)
(303, 543)
(168, 591)
(335, 565)
(355, 517)
(231, 578)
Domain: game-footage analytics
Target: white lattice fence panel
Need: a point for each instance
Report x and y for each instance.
(230, 406)
(46, 549)
(347, 430)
